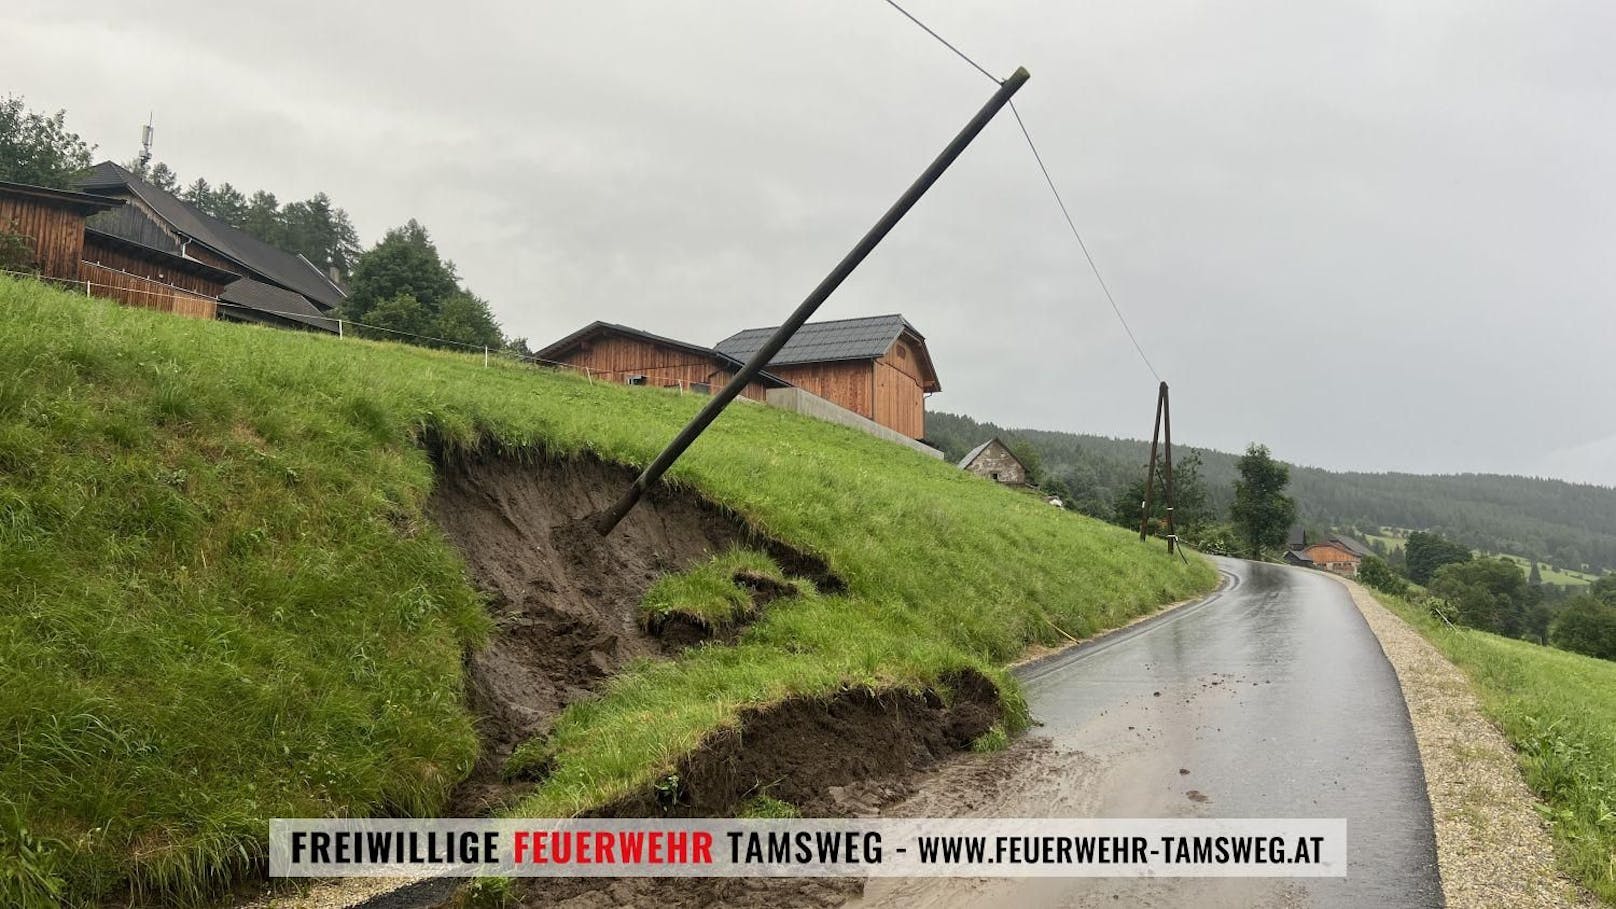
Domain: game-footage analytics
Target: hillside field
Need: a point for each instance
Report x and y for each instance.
(223, 598)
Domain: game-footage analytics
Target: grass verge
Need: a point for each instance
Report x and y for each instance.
(221, 602)
(1559, 711)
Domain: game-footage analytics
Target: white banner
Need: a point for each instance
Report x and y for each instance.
(712, 847)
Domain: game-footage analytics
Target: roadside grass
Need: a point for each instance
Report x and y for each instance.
(221, 600)
(1559, 711)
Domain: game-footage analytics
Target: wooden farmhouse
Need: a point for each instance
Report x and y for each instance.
(121, 238)
(994, 460)
(618, 353)
(158, 237)
(1331, 556)
(877, 367)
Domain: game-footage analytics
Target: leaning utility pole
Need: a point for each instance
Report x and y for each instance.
(609, 519)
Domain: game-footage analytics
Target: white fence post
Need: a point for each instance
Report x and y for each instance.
(485, 356)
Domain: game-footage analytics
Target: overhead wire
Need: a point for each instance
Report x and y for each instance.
(1050, 181)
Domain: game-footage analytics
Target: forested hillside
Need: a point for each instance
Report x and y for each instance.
(1566, 524)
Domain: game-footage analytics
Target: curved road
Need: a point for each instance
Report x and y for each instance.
(1271, 698)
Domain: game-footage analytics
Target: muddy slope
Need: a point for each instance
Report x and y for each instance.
(846, 755)
(565, 600)
(803, 750)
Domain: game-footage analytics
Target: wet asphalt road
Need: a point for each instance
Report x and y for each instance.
(1277, 699)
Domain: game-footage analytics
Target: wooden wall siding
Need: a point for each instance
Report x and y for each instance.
(133, 264)
(904, 358)
(900, 405)
(615, 359)
(57, 233)
(208, 257)
(134, 290)
(850, 384)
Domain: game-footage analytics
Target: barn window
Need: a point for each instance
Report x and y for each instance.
(995, 476)
(903, 352)
(634, 380)
(701, 388)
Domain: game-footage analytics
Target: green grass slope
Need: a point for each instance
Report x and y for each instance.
(221, 602)
(1559, 710)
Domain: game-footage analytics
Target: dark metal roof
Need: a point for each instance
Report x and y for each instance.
(273, 265)
(867, 338)
(247, 300)
(169, 258)
(1353, 546)
(1299, 556)
(82, 202)
(559, 349)
(1296, 537)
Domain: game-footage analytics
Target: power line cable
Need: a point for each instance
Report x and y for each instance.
(1065, 212)
(944, 41)
(1081, 245)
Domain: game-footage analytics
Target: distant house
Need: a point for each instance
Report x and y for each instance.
(877, 367)
(154, 239)
(618, 353)
(1353, 546)
(1330, 556)
(995, 461)
(1295, 538)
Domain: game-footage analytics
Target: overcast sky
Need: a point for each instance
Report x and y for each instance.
(1372, 235)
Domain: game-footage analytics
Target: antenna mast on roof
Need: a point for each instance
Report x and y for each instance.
(146, 133)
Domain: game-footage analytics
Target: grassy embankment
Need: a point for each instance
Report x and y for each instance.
(1559, 711)
(221, 601)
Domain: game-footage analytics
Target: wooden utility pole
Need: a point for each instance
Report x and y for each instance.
(1167, 478)
(1163, 432)
(1150, 471)
(607, 520)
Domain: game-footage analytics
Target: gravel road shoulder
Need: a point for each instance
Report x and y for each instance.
(1492, 847)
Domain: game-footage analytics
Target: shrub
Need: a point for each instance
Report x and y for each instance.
(1377, 574)
(1586, 626)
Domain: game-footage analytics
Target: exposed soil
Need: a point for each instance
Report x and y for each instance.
(801, 749)
(851, 754)
(564, 599)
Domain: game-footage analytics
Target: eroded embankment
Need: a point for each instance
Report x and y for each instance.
(565, 601)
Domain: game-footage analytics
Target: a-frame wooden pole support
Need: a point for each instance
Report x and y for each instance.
(1150, 470)
(1162, 432)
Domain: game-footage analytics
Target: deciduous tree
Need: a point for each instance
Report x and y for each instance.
(1262, 512)
(38, 149)
(1427, 552)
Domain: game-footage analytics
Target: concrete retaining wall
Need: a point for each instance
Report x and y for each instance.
(810, 405)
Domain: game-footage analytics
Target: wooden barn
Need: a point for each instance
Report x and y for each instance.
(51, 223)
(995, 461)
(126, 240)
(877, 367)
(1332, 557)
(617, 353)
(156, 239)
